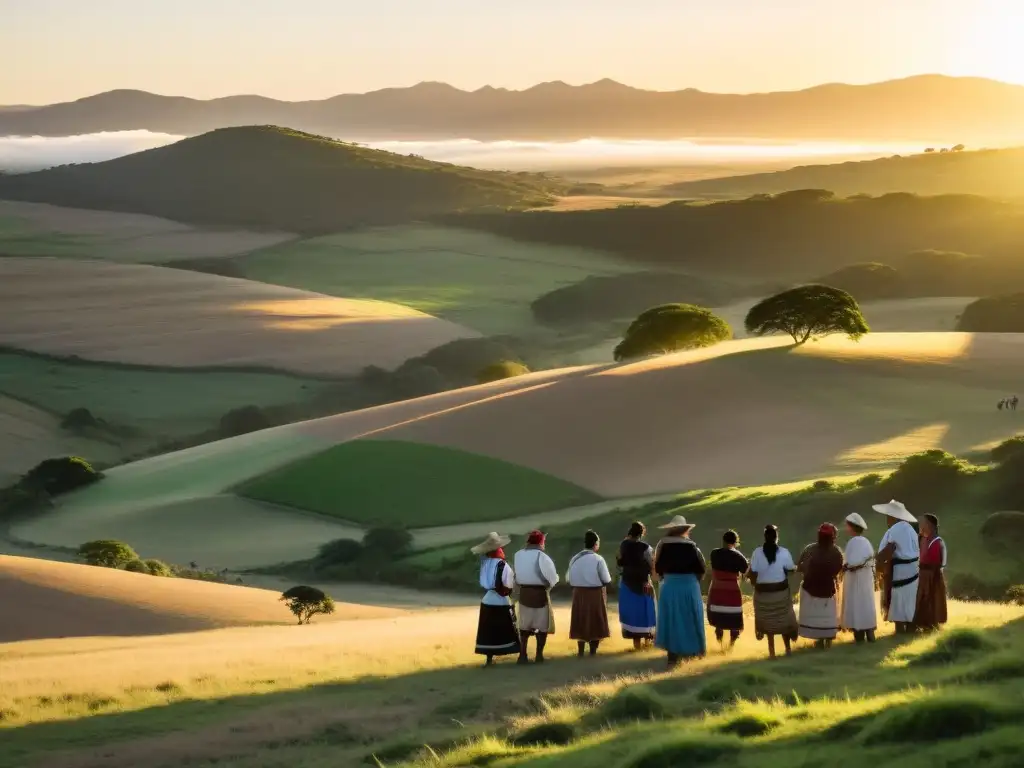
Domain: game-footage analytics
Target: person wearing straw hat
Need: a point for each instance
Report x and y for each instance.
(496, 633)
(537, 575)
(770, 567)
(899, 553)
(821, 564)
(859, 614)
(680, 566)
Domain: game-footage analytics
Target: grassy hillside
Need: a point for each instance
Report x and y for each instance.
(272, 178)
(407, 691)
(471, 278)
(403, 484)
(994, 173)
(795, 235)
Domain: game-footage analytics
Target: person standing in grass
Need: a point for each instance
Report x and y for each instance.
(899, 553)
(637, 616)
(725, 600)
(930, 613)
(770, 566)
(496, 633)
(821, 564)
(681, 567)
(589, 578)
(859, 614)
(536, 576)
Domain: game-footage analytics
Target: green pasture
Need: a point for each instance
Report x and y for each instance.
(481, 281)
(412, 485)
(157, 401)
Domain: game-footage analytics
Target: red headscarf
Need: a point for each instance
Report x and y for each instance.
(827, 529)
(498, 554)
(535, 538)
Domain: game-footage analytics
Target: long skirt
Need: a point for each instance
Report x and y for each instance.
(931, 599)
(535, 611)
(496, 633)
(902, 602)
(637, 616)
(681, 616)
(725, 604)
(819, 617)
(859, 610)
(589, 619)
(774, 614)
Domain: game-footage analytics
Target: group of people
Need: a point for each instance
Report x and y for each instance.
(1009, 403)
(837, 588)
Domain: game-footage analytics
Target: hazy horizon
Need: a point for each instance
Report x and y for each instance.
(210, 49)
(22, 153)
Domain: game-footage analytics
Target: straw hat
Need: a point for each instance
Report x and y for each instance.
(857, 519)
(895, 509)
(491, 543)
(677, 522)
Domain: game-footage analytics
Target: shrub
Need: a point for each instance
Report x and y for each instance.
(396, 542)
(107, 553)
(242, 421)
(806, 312)
(1008, 449)
(545, 734)
(78, 419)
(927, 478)
(869, 480)
(418, 380)
(952, 647)
(994, 314)
(1015, 594)
(632, 703)
(158, 568)
(670, 328)
(1003, 532)
(822, 485)
(340, 552)
(1008, 482)
(506, 369)
(136, 566)
(306, 602)
(967, 586)
(57, 476)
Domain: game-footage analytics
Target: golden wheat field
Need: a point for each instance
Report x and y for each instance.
(144, 315)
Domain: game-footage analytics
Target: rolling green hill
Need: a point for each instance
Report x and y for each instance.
(997, 173)
(273, 178)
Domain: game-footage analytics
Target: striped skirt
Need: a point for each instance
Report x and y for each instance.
(773, 612)
(725, 601)
(819, 617)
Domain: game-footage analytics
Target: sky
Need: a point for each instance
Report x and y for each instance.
(59, 50)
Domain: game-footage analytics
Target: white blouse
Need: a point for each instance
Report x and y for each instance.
(772, 573)
(588, 569)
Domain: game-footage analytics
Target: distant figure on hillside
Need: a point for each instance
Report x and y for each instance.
(1013, 402)
(496, 633)
(637, 616)
(589, 578)
(536, 576)
(931, 594)
(770, 566)
(680, 566)
(1001, 404)
(821, 564)
(898, 555)
(859, 614)
(725, 600)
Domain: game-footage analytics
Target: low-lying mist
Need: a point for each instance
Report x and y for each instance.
(25, 153)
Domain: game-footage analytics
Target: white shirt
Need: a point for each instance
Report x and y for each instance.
(858, 551)
(772, 573)
(535, 568)
(488, 574)
(907, 547)
(588, 569)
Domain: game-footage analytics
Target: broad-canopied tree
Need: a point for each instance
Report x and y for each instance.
(806, 312)
(671, 328)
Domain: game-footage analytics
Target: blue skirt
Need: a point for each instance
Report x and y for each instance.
(636, 614)
(681, 616)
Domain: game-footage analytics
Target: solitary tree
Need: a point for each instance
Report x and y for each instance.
(307, 602)
(107, 553)
(670, 328)
(806, 312)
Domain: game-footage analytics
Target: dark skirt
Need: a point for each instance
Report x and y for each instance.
(637, 616)
(496, 632)
(931, 598)
(589, 614)
(725, 603)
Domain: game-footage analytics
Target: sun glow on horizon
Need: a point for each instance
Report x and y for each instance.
(990, 45)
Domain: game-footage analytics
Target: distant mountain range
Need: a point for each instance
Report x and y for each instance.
(271, 178)
(929, 108)
(997, 173)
